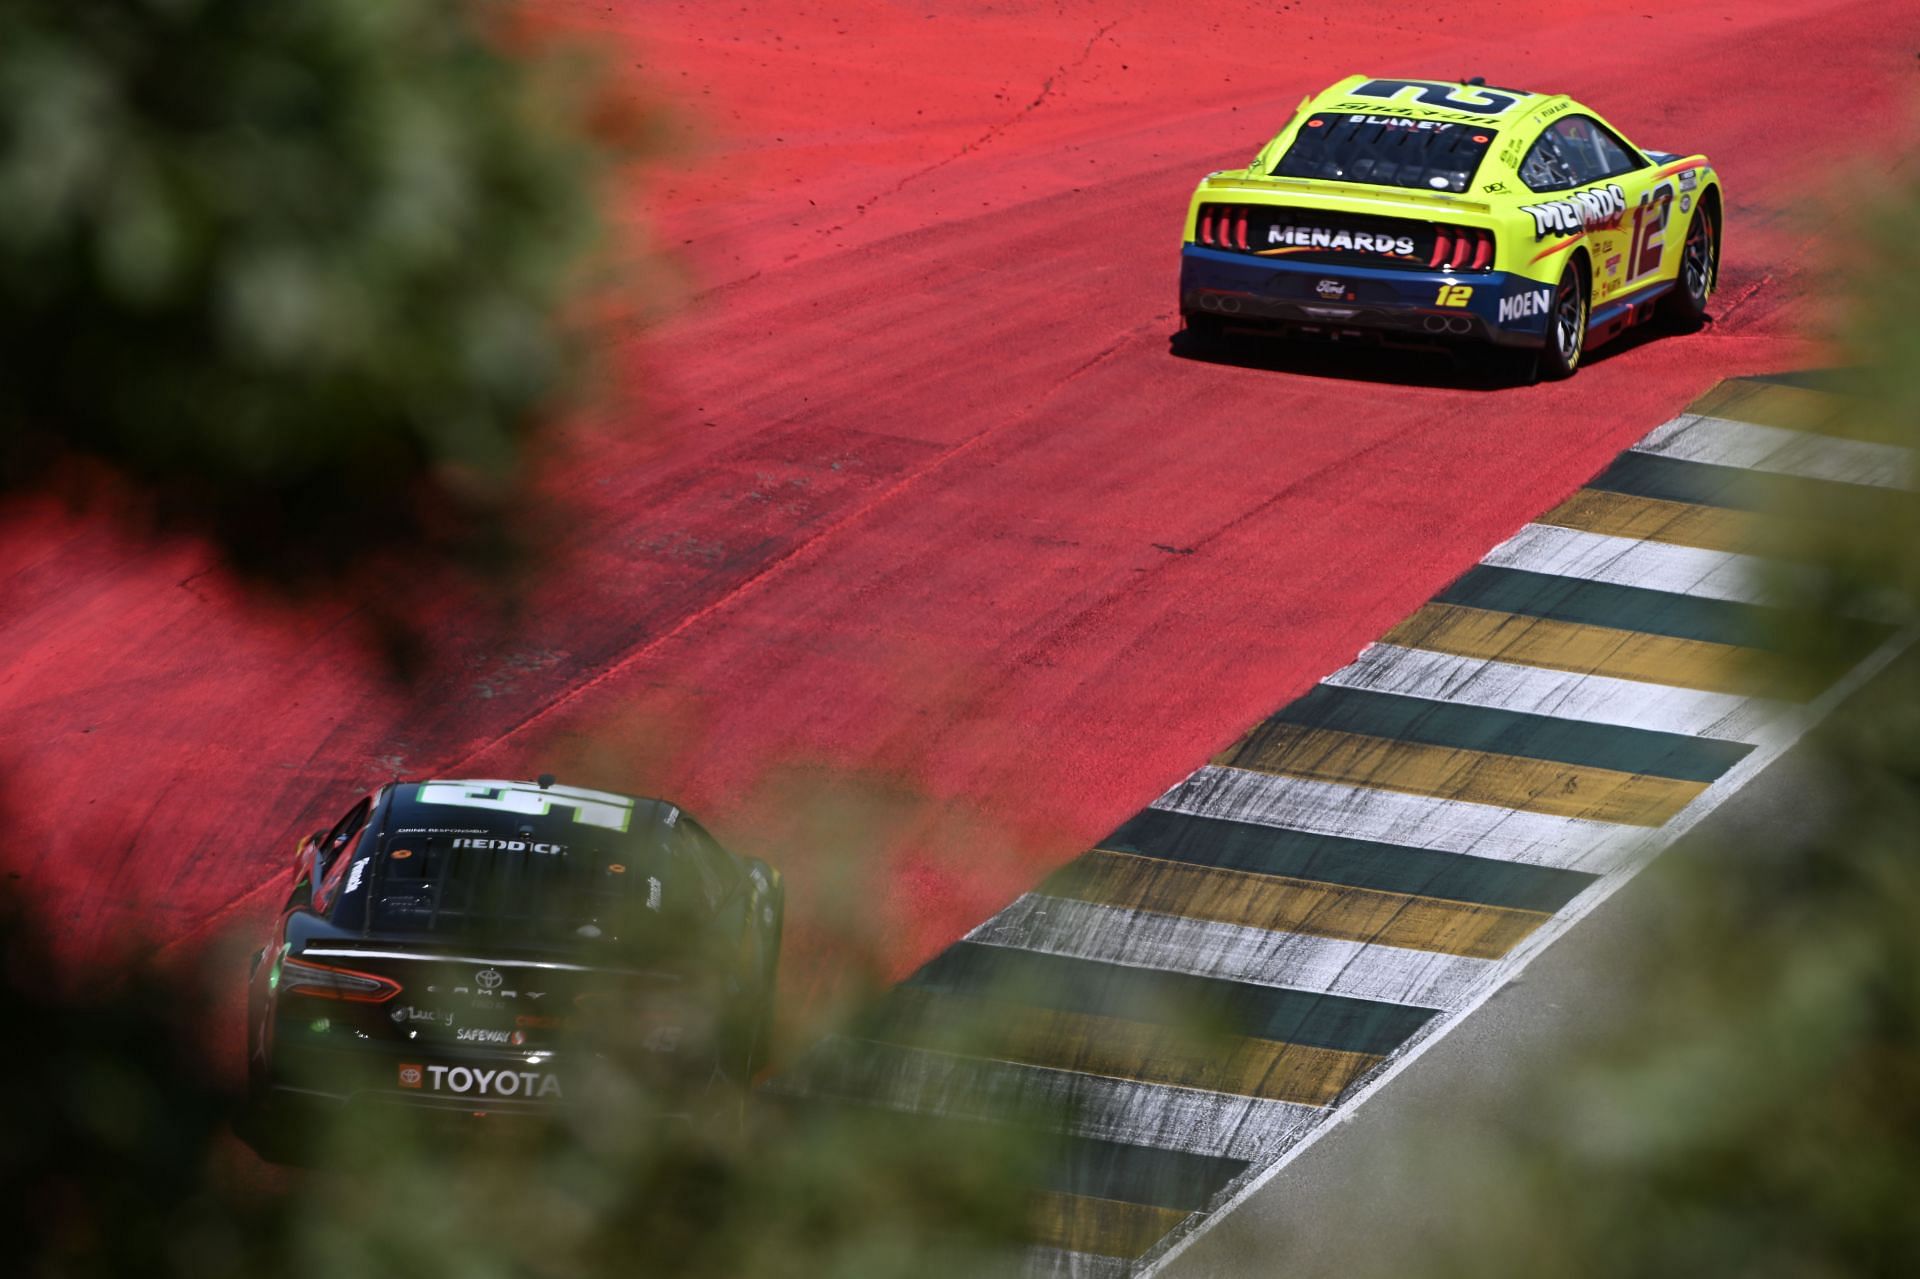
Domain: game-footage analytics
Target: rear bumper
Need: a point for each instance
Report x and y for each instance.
(1472, 306)
(310, 1073)
(287, 1096)
(318, 1076)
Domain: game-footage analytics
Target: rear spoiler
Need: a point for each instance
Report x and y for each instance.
(1410, 202)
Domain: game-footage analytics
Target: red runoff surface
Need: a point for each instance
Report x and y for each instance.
(906, 552)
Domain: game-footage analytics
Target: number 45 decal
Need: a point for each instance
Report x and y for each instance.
(1649, 231)
(590, 807)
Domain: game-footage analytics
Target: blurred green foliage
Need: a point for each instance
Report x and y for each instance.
(290, 275)
(117, 1159)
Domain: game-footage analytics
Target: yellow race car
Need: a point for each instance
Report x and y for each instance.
(1423, 210)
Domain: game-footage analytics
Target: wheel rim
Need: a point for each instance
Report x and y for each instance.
(1697, 261)
(1569, 328)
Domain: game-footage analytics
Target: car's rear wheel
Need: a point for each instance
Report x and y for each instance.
(1567, 327)
(279, 1131)
(1685, 307)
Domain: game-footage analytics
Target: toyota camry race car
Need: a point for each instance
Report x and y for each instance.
(476, 945)
(1425, 210)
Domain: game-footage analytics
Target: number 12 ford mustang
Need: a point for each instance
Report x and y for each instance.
(1431, 210)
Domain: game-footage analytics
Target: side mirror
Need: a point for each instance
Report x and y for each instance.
(310, 842)
(310, 862)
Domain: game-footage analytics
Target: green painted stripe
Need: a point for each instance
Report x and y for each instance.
(1161, 998)
(1705, 484)
(1354, 863)
(1478, 728)
(1625, 608)
(1827, 402)
(1832, 381)
(1136, 1174)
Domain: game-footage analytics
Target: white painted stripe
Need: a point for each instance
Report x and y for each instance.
(1724, 442)
(1534, 690)
(1419, 821)
(1656, 566)
(1169, 943)
(1683, 570)
(923, 1081)
(1057, 1263)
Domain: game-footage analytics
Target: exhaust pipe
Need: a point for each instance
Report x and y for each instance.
(1459, 324)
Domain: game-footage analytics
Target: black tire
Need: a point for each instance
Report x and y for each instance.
(762, 1048)
(278, 1132)
(1684, 309)
(1566, 326)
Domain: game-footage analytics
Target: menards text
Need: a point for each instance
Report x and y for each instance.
(1316, 237)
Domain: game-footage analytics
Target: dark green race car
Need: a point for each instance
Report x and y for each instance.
(474, 946)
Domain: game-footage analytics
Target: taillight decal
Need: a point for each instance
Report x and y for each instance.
(324, 981)
(1455, 248)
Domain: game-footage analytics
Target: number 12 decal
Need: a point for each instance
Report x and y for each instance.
(1454, 295)
(1649, 231)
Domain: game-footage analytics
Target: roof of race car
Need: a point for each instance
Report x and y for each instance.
(550, 811)
(1430, 100)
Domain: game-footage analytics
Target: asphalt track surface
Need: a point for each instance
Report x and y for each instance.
(908, 553)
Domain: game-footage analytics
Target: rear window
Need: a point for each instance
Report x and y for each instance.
(527, 886)
(1386, 150)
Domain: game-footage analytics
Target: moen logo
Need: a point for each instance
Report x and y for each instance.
(1319, 237)
(1522, 305)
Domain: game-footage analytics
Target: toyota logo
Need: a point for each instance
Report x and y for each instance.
(489, 978)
